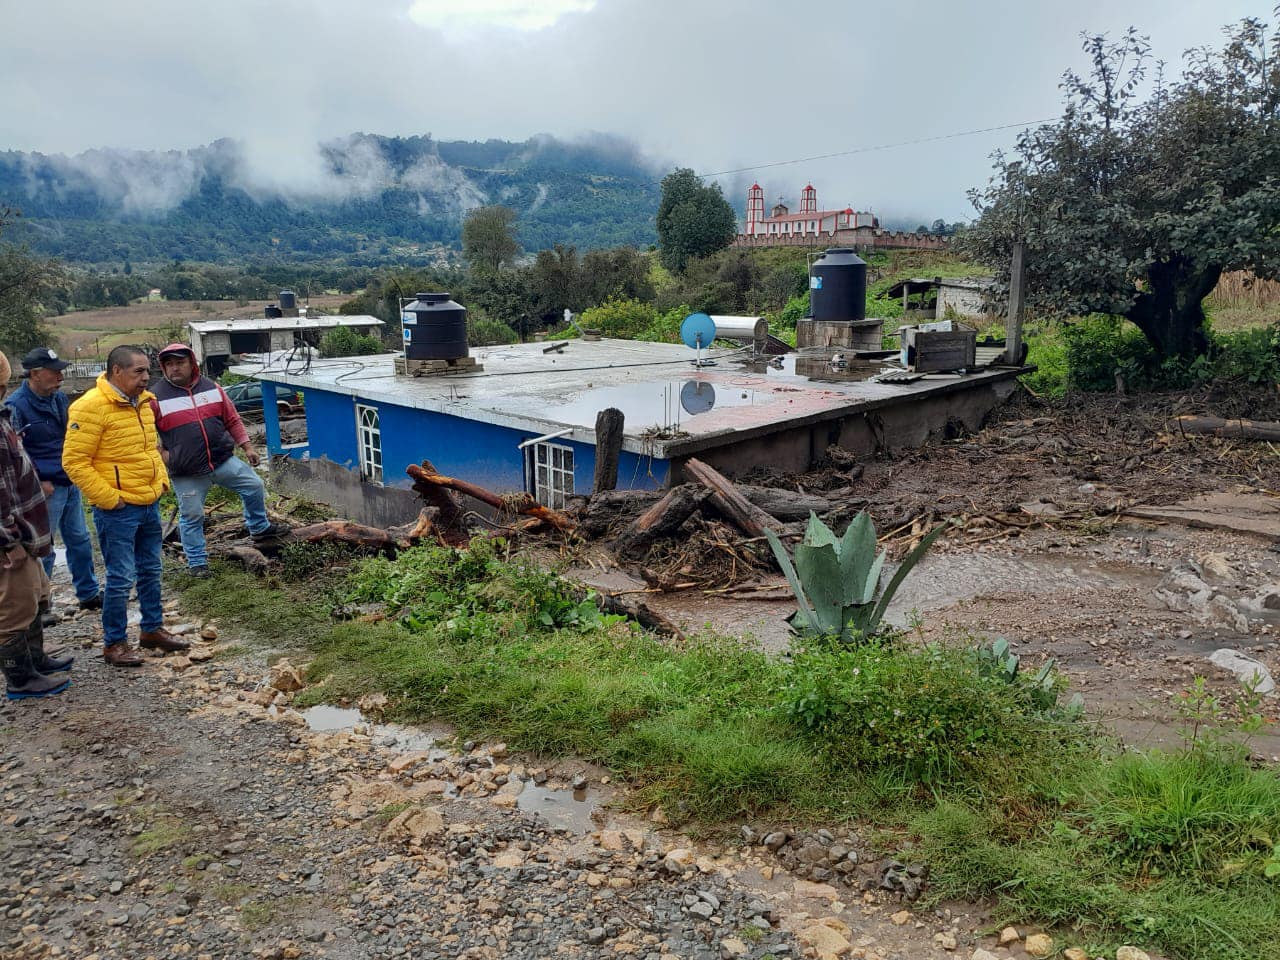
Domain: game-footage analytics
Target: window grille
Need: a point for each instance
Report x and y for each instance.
(552, 474)
(369, 437)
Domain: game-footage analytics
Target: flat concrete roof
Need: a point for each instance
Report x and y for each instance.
(317, 322)
(670, 407)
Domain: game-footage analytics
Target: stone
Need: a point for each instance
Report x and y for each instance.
(1074, 953)
(1222, 612)
(1131, 953)
(508, 861)
(1246, 669)
(981, 954)
(678, 859)
(406, 760)
(178, 664)
(416, 823)
(285, 677)
(1217, 566)
(1039, 945)
(946, 940)
(806, 889)
(733, 947)
(208, 632)
(776, 840)
(901, 918)
(1009, 936)
(824, 940)
(199, 654)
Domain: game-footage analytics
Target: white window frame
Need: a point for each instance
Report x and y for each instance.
(551, 473)
(369, 443)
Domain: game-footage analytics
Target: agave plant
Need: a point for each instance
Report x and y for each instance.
(837, 580)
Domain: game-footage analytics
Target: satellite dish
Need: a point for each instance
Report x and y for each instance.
(697, 396)
(697, 331)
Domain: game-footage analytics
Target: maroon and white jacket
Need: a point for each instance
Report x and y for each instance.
(198, 425)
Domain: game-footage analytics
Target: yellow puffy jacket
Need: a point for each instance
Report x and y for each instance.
(110, 451)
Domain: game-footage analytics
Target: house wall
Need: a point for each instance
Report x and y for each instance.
(479, 452)
(962, 301)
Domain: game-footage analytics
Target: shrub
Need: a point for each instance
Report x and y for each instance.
(345, 342)
(482, 332)
(619, 318)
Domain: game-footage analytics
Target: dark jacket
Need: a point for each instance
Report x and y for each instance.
(198, 425)
(41, 422)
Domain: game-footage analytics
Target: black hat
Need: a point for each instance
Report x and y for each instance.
(42, 358)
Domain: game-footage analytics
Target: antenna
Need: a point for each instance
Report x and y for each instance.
(698, 331)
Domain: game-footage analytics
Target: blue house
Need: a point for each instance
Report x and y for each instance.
(524, 419)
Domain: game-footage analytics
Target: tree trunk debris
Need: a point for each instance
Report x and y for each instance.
(1230, 429)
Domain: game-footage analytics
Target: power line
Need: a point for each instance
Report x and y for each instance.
(871, 149)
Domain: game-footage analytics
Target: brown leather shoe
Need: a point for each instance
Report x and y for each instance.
(121, 655)
(162, 639)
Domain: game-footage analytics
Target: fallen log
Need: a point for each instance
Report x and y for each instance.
(1231, 429)
(450, 511)
(661, 520)
(511, 503)
(783, 504)
(736, 508)
(641, 612)
(345, 531)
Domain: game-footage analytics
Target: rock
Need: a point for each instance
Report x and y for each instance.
(199, 654)
(824, 940)
(702, 909)
(806, 889)
(1222, 611)
(1009, 935)
(498, 751)
(285, 677)
(1039, 945)
(1246, 669)
(417, 823)
(508, 861)
(678, 860)
(372, 705)
(901, 918)
(183, 629)
(946, 940)
(733, 947)
(1074, 953)
(1131, 953)
(178, 664)
(980, 954)
(775, 841)
(406, 760)
(209, 632)
(1269, 599)
(1217, 566)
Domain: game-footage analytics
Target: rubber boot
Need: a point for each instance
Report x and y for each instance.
(21, 679)
(41, 661)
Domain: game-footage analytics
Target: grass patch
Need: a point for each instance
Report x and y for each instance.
(937, 752)
(164, 833)
(232, 893)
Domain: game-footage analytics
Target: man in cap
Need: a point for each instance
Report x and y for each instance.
(40, 416)
(24, 537)
(200, 430)
(112, 454)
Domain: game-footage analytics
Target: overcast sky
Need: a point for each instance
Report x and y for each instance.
(711, 84)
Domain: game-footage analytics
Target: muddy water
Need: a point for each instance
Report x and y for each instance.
(563, 808)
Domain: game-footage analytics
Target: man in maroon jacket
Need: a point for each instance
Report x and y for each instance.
(200, 430)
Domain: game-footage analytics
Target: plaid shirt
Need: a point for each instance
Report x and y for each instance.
(24, 514)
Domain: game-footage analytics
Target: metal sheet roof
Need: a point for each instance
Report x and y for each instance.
(283, 323)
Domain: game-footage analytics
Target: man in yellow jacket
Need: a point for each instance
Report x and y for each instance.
(111, 454)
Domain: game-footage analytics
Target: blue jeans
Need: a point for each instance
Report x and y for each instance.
(238, 477)
(66, 516)
(130, 540)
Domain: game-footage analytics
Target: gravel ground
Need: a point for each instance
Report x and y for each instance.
(187, 810)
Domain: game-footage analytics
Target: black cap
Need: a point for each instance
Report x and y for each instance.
(42, 358)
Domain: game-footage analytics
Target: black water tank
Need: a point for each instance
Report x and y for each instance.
(838, 286)
(287, 300)
(273, 312)
(435, 328)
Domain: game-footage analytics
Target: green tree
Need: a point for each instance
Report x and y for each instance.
(345, 342)
(694, 219)
(25, 282)
(489, 238)
(1134, 204)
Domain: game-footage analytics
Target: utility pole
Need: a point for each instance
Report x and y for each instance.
(1017, 301)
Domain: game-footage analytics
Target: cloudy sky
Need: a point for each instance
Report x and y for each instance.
(711, 84)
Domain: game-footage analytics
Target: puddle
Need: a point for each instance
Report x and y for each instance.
(562, 808)
(324, 718)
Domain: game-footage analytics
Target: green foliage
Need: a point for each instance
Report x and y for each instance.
(1134, 207)
(345, 342)
(25, 282)
(935, 713)
(797, 308)
(694, 219)
(619, 318)
(836, 582)
(489, 238)
(483, 332)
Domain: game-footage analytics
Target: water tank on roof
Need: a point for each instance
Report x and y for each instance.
(435, 328)
(272, 312)
(288, 300)
(838, 286)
